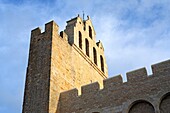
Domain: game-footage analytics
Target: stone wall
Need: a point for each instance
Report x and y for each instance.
(63, 77)
(140, 94)
(57, 64)
(36, 95)
(70, 66)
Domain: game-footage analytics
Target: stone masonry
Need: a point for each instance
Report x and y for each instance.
(67, 73)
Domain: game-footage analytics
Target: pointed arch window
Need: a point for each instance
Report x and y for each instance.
(87, 46)
(95, 55)
(90, 32)
(102, 63)
(80, 40)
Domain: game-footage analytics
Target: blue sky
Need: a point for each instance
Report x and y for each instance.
(135, 34)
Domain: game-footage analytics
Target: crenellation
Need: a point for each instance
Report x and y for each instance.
(71, 21)
(161, 68)
(51, 27)
(112, 82)
(136, 75)
(61, 66)
(35, 32)
(64, 35)
(90, 88)
(124, 97)
(70, 94)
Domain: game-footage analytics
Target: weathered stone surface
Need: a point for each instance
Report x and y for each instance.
(67, 73)
(57, 64)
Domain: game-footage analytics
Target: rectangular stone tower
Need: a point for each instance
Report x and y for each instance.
(59, 62)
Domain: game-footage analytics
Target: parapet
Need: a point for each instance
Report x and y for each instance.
(160, 68)
(35, 32)
(136, 75)
(113, 81)
(64, 35)
(73, 93)
(116, 82)
(50, 27)
(90, 88)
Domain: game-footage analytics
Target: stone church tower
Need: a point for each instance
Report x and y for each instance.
(59, 62)
(67, 73)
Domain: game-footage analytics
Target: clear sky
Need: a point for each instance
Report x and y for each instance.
(135, 34)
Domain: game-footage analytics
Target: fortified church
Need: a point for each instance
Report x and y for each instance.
(67, 73)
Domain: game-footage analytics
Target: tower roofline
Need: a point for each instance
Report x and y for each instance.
(83, 21)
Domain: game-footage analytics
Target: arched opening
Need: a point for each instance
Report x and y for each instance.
(90, 32)
(142, 107)
(87, 47)
(94, 55)
(80, 40)
(165, 104)
(102, 63)
(95, 110)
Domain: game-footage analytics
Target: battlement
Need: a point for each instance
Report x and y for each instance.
(116, 82)
(50, 27)
(161, 68)
(118, 96)
(92, 51)
(60, 58)
(67, 73)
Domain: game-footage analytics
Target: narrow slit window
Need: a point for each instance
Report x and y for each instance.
(90, 32)
(94, 55)
(87, 47)
(80, 40)
(102, 63)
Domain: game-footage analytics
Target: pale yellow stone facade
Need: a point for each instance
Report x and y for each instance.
(67, 73)
(71, 66)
